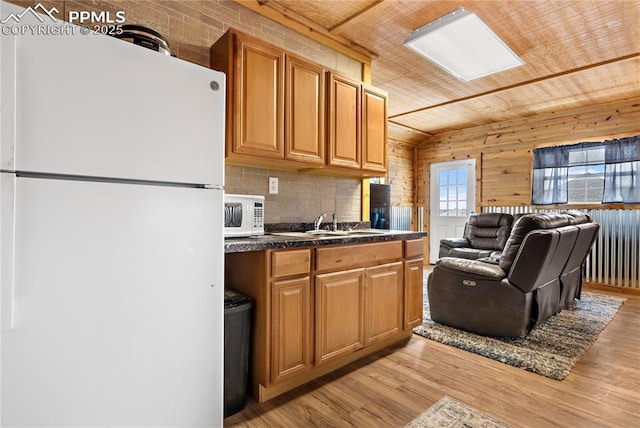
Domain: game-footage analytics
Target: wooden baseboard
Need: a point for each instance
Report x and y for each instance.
(589, 286)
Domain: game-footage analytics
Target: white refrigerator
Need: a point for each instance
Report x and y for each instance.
(111, 232)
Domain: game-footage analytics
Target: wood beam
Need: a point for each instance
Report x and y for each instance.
(400, 125)
(518, 85)
(357, 16)
(308, 28)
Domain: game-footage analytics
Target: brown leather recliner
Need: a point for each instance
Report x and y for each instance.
(484, 234)
(536, 275)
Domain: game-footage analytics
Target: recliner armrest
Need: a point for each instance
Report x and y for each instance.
(455, 242)
(475, 267)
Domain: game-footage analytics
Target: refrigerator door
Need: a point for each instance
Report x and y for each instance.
(117, 305)
(98, 106)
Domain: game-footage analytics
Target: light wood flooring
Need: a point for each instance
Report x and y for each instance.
(392, 387)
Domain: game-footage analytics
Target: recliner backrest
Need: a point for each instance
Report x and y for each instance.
(542, 257)
(523, 226)
(488, 231)
(571, 276)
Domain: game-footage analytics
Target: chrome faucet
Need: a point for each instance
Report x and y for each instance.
(318, 221)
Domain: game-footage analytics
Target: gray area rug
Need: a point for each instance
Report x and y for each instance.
(550, 350)
(451, 413)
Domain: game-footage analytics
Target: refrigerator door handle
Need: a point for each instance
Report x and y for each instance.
(214, 186)
(7, 251)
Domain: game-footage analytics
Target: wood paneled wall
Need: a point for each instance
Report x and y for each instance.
(503, 149)
(401, 175)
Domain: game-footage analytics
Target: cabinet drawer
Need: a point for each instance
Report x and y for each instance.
(413, 248)
(294, 262)
(346, 256)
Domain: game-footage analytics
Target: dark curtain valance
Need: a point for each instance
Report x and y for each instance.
(622, 150)
(621, 176)
(558, 156)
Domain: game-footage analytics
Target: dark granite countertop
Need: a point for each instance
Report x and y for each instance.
(276, 239)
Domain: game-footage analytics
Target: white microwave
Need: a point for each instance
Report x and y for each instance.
(243, 215)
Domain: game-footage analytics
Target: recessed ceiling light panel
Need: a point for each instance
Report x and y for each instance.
(463, 45)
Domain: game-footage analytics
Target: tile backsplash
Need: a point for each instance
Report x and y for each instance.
(301, 197)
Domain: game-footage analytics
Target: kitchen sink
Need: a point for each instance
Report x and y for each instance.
(365, 232)
(329, 233)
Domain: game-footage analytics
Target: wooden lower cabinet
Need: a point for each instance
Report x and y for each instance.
(339, 314)
(318, 309)
(384, 303)
(413, 292)
(290, 327)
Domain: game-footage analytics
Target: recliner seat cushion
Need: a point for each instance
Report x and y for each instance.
(469, 253)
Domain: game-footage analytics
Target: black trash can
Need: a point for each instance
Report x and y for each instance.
(237, 334)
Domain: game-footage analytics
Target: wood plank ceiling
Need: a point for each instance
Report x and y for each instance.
(576, 53)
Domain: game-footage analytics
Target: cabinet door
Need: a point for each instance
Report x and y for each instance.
(339, 314)
(413, 289)
(374, 129)
(290, 328)
(304, 111)
(383, 301)
(344, 122)
(258, 99)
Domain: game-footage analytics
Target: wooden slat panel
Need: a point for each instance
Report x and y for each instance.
(607, 82)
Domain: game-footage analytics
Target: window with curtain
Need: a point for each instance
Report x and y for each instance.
(603, 172)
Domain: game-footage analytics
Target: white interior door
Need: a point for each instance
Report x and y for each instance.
(452, 198)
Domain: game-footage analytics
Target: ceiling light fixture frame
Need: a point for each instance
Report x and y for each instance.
(463, 45)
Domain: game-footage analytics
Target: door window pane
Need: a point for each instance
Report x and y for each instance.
(443, 178)
(453, 193)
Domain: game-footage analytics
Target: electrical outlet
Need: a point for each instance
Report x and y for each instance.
(273, 185)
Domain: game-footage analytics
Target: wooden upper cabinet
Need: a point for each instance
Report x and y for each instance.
(304, 111)
(284, 112)
(374, 129)
(259, 89)
(255, 94)
(275, 103)
(343, 139)
(357, 125)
